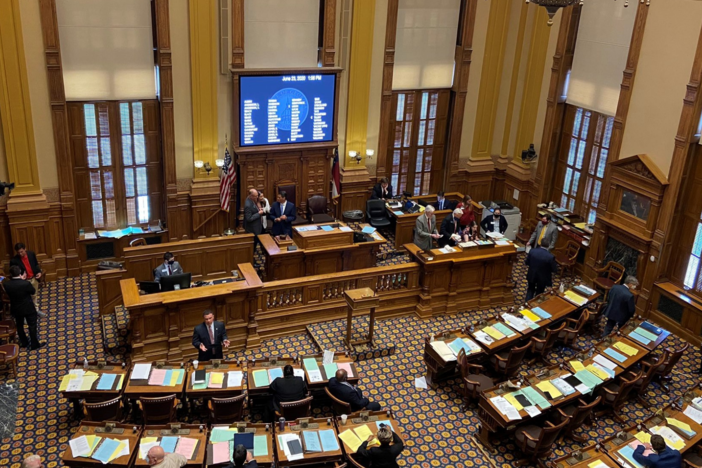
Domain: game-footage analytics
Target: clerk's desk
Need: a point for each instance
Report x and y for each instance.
(205, 259)
(319, 252)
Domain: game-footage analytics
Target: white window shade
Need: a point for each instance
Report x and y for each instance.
(107, 49)
(281, 33)
(425, 44)
(600, 56)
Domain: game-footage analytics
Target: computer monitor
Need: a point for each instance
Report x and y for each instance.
(150, 287)
(169, 283)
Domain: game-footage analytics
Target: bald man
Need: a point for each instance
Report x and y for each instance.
(344, 391)
(32, 461)
(159, 459)
(253, 213)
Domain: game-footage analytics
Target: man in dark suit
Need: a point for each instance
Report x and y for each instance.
(442, 203)
(382, 190)
(386, 455)
(27, 262)
(20, 292)
(252, 214)
(242, 457)
(282, 214)
(168, 268)
(665, 457)
(287, 388)
(542, 264)
(620, 304)
(450, 227)
(344, 391)
(208, 338)
(494, 223)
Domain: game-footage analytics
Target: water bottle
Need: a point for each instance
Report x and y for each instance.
(85, 363)
(281, 424)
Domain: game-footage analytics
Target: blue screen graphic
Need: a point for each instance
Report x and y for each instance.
(285, 109)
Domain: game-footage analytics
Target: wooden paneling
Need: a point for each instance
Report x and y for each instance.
(678, 312)
(108, 290)
(237, 33)
(384, 132)
(328, 51)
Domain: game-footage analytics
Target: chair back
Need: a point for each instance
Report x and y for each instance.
(110, 410)
(227, 410)
(582, 413)
(515, 358)
(317, 204)
(137, 242)
(340, 407)
(375, 209)
(672, 359)
(625, 388)
(615, 271)
(291, 410)
(159, 410)
(548, 437)
(551, 336)
(352, 458)
(649, 372)
(572, 250)
(570, 334)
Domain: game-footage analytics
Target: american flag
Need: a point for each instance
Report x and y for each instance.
(226, 178)
(336, 177)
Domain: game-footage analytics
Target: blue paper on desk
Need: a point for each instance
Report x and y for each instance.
(368, 230)
(311, 441)
(458, 344)
(327, 228)
(643, 340)
(614, 355)
(384, 422)
(628, 454)
(329, 442)
(274, 373)
(541, 313)
(106, 382)
(397, 213)
(244, 438)
(167, 377)
(105, 450)
(168, 444)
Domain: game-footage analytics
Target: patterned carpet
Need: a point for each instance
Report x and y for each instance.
(438, 433)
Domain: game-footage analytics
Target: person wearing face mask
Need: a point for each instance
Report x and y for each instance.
(168, 268)
(494, 223)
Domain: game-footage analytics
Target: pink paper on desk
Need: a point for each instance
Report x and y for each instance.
(186, 447)
(636, 443)
(157, 376)
(347, 367)
(220, 452)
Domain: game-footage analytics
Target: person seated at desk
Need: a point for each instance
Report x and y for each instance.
(157, 458)
(468, 214)
(208, 338)
(545, 230)
(344, 391)
(386, 455)
(289, 387)
(168, 268)
(442, 203)
(382, 190)
(242, 457)
(282, 214)
(471, 232)
(425, 229)
(451, 229)
(665, 457)
(494, 223)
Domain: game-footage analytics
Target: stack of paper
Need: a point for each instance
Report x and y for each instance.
(222, 434)
(626, 349)
(330, 369)
(575, 298)
(220, 453)
(506, 408)
(274, 373)
(638, 337)
(530, 315)
(693, 413)
(626, 456)
(291, 445)
(681, 425)
(260, 446)
(310, 364)
(541, 313)
(186, 447)
(107, 381)
(597, 464)
(563, 386)
(216, 380)
(111, 449)
(140, 372)
(347, 367)
(260, 378)
(588, 379)
(169, 443)
(603, 361)
(328, 439)
(203, 385)
(468, 345)
(234, 379)
(351, 440)
(600, 371)
(504, 329)
(577, 365)
(515, 322)
(146, 444)
(548, 388)
(483, 337)
(672, 440)
(646, 334)
(536, 397)
(157, 377)
(493, 332)
(443, 350)
(615, 355)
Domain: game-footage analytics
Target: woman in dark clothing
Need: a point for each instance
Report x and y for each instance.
(386, 455)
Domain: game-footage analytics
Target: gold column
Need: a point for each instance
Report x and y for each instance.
(203, 69)
(515, 79)
(15, 109)
(359, 79)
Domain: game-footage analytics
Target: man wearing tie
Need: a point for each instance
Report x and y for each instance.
(544, 230)
(208, 338)
(425, 229)
(282, 214)
(168, 268)
(451, 229)
(441, 202)
(252, 215)
(382, 190)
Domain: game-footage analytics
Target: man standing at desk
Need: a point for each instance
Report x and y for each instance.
(425, 229)
(494, 223)
(382, 190)
(252, 215)
(450, 227)
(168, 268)
(544, 230)
(542, 264)
(208, 338)
(620, 304)
(282, 214)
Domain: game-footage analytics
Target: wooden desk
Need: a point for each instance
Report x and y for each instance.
(207, 393)
(93, 251)
(439, 369)
(671, 411)
(633, 324)
(326, 252)
(614, 443)
(259, 429)
(309, 458)
(339, 357)
(589, 455)
(120, 432)
(676, 309)
(93, 395)
(191, 431)
(140, 387)
(630, 360)
(496, 345)
(355, 420)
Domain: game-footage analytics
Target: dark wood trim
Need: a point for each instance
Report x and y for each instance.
(237, 33)
(328, 50)
(386, 100)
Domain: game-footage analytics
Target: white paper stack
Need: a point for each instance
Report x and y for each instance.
(515, 322)
(283, 440)
(603, 361)
(444, 351)
(234, 378)
(483, 337)
(315, 376)
(506, 408)
(693, 413)
(141, 372)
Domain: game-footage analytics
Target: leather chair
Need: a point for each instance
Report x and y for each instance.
(340, 407)
(595, 318)
(8, 330)
(354, 460)
(507, 363)
(9, 354)
(541, 346)
(536, 442)
(292, 410)
(572, 329)
(608, 276)
(317, 211)
(5, 302)
(666, 364)
(474, 381)
(692, 459)
(567, 256)
(137, 242)
(578, 415)
(648, 369)
(227, 410)
(614, 395)
(110, 410)
(159, 410)
(376, 214)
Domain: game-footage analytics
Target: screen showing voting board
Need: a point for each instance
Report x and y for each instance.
(286, 109)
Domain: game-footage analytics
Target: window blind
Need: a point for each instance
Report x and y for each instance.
(601, 50)
(425, 44)
(107, 49)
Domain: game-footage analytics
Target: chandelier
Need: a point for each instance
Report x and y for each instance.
(552, 6)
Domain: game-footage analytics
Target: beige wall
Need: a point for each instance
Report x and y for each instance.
(546, 83)
(376, 82)
(182, 104)
(224, 101)
(344, 10)
(669, 44)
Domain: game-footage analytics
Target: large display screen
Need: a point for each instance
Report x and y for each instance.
(285, 109)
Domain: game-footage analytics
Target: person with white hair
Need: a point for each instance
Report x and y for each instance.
(451, 231)
(385, 456)
(32, 461)
(425, 230)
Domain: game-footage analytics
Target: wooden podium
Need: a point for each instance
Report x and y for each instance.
(360, 300)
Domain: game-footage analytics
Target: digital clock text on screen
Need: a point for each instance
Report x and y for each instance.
(286, 109)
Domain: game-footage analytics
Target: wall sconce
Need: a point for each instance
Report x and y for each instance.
(355, 155)
(219, 163)
(199, 165)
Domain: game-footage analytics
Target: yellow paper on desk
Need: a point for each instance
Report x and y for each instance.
(216, 378)
(363, 432)
(493, 333)
(577, 366)
(148, 440)
(509, 397)
(602, 375)
(64, 382)
(547, 386)
(626, 349)
(644, 437)
(88, 382)
(119, 384)
(677, 423)
(174, 379)
(117, 451)
(530, 315)
(93, 442)
(597, 464)
(90, 374)
(351, 439)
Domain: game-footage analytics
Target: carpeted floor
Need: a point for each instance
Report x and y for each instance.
(438, 433)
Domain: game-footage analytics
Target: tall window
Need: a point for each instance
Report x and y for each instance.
(693, 279)
(418, 142)
(117, 163)
(583, 159)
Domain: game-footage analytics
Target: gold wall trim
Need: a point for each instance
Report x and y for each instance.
(15, 104)
(515, 77)
(363, 19)
(204, 63)
(491, 77)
